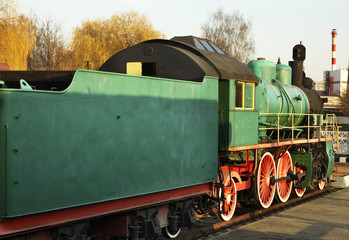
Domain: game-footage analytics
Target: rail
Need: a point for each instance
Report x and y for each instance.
(315, 128)
(207, 225)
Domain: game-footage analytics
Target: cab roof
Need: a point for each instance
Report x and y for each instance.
(185, 58)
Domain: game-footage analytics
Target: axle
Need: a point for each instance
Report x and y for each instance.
(290, 177)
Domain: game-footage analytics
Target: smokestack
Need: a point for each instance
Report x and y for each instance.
(334, 34)
(298, 56)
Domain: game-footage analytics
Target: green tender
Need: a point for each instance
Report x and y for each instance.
(108, 136)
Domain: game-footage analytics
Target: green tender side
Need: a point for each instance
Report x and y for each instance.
(331, 158)
(306, 160)
(108, 136)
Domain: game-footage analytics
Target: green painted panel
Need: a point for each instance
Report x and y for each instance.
(286, 99)
(262, 106)
(331, 158)
(244, 128)
(263, 69)
(284, 74)
(108, 136)
(223, 116)
(306, 160)
(236, 127)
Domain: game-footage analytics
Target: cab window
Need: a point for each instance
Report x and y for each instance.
(249, 95)
(239, 95)
(244, 95)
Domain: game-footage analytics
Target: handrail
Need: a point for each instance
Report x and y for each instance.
(333, 126)
(317, 122)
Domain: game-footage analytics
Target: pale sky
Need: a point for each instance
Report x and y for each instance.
(277, 25)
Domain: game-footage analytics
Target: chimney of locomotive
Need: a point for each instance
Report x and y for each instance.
(297, 64)
(334, 46)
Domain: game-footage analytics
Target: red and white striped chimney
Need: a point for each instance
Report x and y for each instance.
(334, 34)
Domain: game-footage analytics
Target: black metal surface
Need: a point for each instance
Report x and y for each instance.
(179, 60)
(305, 83)
(316, 104)
(297, 72)
(43, 80)
(298, 52)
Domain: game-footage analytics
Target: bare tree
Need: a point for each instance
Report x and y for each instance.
(231, 33)
(49, 52)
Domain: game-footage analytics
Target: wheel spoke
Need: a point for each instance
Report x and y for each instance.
(227, 207)
(297, 191)
(284, 188)
(266, 170)
(230, 201)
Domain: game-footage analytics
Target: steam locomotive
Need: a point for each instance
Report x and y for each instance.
(165, 130)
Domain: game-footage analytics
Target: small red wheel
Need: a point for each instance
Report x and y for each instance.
(230, 196)
(284, 188)
(265, 191)
(299, 192)
(321, 184)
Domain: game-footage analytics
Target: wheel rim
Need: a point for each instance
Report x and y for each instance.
(284, 188)
(168, 234)
(321, 184)
(230, 201)
(299, 192)
(265, 190)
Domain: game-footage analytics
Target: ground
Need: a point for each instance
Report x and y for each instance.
(341, 169)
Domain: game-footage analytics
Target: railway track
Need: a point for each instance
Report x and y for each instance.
(210, 224)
